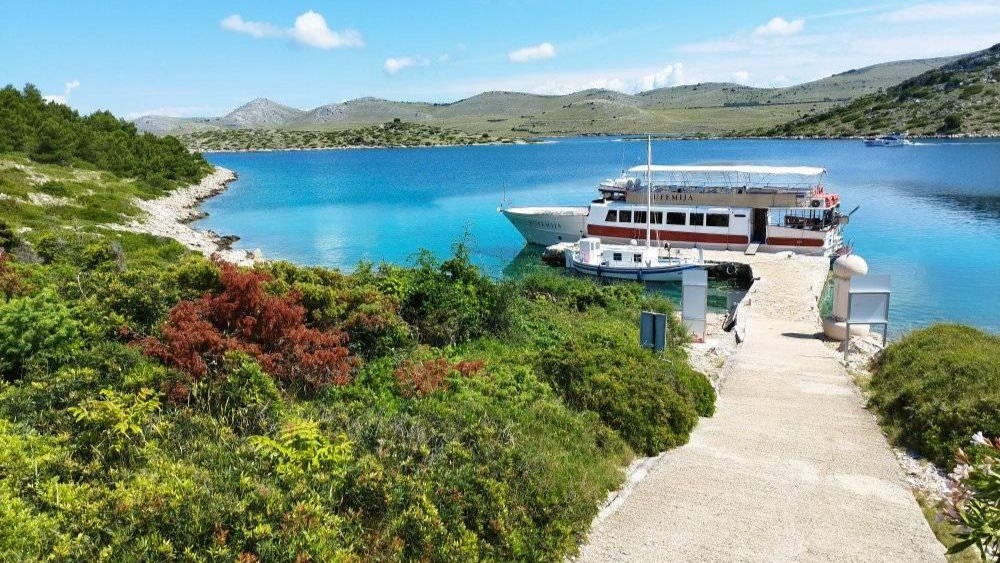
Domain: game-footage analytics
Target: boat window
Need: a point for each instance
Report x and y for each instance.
(698, 219)
(718, 220)
(637, 258)
(639, 217)
(799, 218)
(675, 218)
(624, 216)
(612, 216)
(617, 256)
(656, 217)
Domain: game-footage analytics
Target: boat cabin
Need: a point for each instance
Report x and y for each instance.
(723, 207)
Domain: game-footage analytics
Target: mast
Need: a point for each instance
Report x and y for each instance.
(649, 185)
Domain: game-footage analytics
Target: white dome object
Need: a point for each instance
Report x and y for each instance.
(850, 265)
(837, 330)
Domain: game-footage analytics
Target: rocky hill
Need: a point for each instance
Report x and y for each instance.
(260, 113)
(710, 108)
(959, 98)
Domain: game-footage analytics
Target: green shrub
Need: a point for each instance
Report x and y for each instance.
(36, 331)
(637, 399)
(245, 398)
(113, 427)
(952, 123)
(452, 302)
(938, 386)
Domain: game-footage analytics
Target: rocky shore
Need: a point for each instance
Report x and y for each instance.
(170, 216)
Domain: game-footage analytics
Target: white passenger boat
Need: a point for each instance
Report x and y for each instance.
(630, 261)
(731, 207)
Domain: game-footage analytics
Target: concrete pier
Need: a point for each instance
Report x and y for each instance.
(790, 468)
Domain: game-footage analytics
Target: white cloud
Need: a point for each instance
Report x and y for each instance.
(310, 29)
(64, 97)
(940, 11)
(628, 80)
(670, 75)
(741, 77)
(781, 27)
(532, 53)
(175, 111)
(236, 23)
(392, 65)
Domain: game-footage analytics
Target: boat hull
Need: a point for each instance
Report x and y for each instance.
(666, 273)
(548, 225)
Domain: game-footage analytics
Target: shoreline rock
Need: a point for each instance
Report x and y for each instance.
(170, 216)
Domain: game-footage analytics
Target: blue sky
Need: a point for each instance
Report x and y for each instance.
(189, 58)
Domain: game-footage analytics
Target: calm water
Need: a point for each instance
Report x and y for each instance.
(929, 215)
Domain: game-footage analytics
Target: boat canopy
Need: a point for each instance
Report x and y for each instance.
(738, 169)
(794, 178)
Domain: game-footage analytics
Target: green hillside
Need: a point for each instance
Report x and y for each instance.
(709, 109)
(960, 98)
(159, 406)
(390, 134)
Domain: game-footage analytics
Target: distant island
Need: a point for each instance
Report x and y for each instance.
(708, 109)
(948, 96)
(394, 133)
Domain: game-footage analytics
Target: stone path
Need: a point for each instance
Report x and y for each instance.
(790, 468)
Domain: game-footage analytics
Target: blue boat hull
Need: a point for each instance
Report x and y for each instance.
(664, 273)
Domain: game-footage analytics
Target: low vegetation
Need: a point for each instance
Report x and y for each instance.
(936, 393)
(156, 405)
(959, 98)
(391, 134)
(973, 506)
(937, 387)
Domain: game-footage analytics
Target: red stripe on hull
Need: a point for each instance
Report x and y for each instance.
(787, 241)
(664, 236)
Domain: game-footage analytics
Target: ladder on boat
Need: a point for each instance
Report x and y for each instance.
(752, 249)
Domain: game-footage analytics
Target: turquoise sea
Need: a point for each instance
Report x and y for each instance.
(929, 213)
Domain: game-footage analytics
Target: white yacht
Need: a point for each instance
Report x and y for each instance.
(729, 207)
(893, 140)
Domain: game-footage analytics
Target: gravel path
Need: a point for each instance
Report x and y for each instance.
(791, 467)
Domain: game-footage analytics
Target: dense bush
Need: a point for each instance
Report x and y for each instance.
(36, 332)
(451, 302)
(938, 386)
(244, 317)
(54, 133)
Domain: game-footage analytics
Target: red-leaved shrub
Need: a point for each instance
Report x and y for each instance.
(421, 378)
(244, 317)
(10, 280)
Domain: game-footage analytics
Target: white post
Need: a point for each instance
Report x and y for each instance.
(694, 301)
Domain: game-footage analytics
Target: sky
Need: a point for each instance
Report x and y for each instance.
(195, 58)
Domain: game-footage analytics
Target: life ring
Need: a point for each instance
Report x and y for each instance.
(730, 270)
